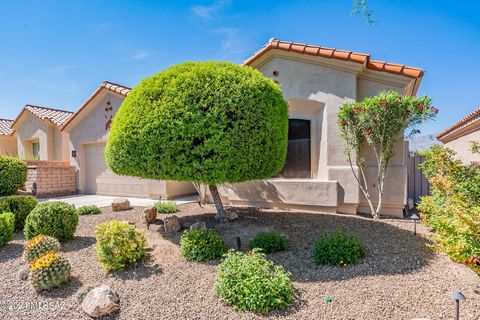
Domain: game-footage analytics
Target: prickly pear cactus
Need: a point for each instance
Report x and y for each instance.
(38, 246)
(48, 271)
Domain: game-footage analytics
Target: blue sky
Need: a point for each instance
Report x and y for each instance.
(56, 53)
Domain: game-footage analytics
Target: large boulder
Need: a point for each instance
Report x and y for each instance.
(149, 215)
(101, 301)
(232, 216)
(120, 204)
(171, 224)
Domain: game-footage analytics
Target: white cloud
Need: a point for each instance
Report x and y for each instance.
(208, 12)
(233, 43)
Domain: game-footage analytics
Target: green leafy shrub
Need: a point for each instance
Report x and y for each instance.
(118, 244)
(90, 209)
(339, 249)
(39, 246)
(166, 207)
(453, 208)
(7, 226)
(20, 206)
(57, 219)
(202, 245)
(49, 271)
(251, 282)
(14, 175)
(269, 242)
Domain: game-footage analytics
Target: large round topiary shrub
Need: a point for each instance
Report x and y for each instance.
(202, 245)
(57, 219)
(251, 282)
(7, 226)
(338, 249)
(20, 206)
(118, 244)
(209, 122)
(13, 175)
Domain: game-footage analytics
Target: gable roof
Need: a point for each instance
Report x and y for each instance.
(464, 122)
(6, 127)
(56, 116)
(106, 85)
(332, 53)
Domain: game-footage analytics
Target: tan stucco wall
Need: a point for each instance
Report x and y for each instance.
(8, 145)
(89, 127)
(462, 146)
(316, 91)
(53, 143)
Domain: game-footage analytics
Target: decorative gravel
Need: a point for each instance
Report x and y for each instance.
(400, 278)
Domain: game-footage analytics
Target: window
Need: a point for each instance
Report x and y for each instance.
(298, 163)
(36, 150)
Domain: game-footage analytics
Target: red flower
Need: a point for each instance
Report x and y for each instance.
(357, 110)
(383, 103)
(367, 133)
(435, 109)
(420, 108)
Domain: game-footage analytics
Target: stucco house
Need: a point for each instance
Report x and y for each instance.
(459, 136)
(316, 82)
(8, 139)
(88, 130)
(38, 133)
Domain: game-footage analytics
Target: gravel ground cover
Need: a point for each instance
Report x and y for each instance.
(400, 278)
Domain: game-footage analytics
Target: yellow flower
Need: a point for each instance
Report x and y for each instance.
(32, 243)
(44, 261)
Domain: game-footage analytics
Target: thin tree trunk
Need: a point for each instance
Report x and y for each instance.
(221, 216)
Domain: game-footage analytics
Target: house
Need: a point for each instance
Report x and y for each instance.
(316, 82)
(460, 135)
(8, 140)
(88, 130)
(38, 133)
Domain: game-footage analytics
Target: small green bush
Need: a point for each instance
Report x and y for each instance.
(251, 282)
(7, 225)
(20, 206)
(166, 207)
(118, 244)
(202, 245)
(14, 175)
(90, 209)
(269, 242)
(57, 219)
(339, 249)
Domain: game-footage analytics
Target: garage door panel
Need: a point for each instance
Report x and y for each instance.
(100, 180)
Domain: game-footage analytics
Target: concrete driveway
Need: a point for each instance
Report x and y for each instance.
(105, 201)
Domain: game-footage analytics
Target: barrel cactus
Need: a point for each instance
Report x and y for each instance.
(38, 246)
(48, 271)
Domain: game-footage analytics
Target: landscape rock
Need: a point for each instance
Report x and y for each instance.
(101, 301)
(120, 204)
(232, 216)
(200, 225)
(171, 224)
(23, 273)
(149, 215)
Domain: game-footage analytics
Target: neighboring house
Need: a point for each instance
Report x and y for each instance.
(459, 137)
(88, 130)
(8, 140)
(316, 82)
(38, 133)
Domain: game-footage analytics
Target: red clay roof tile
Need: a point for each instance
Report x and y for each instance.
(475, 115)
(56, 116)
(6, 127)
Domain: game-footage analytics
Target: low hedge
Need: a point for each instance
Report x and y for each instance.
(20, 206)
(13, 173)
(89, 209)
(7, 226)
(57, 219)
(269, 242)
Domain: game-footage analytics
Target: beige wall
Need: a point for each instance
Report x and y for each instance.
(8, 145)
(30, 128)
(462, 146)
(315, 90)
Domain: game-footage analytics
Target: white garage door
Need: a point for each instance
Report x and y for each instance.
(100, 180)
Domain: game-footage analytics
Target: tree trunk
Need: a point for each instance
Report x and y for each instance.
(221, 216)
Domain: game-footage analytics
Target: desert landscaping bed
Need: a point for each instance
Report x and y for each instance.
(400, 278)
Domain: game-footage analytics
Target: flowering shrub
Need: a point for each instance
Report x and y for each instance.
(202, 245)
(269, 242)
(379, 122)
(248, 281)
(453, 208)
(338, 249)
(118, 244)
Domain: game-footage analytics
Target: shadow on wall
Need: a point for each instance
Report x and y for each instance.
(254, 191)
(389, 250)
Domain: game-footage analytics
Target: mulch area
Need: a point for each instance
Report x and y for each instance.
(400, 277)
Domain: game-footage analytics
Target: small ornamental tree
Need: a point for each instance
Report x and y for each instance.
(205, 122)
(380, 123)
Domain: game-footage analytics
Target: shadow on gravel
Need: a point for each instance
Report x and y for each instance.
(78, 243)
(389, 250)
(11, 251)
(145, 268)
(65, 290)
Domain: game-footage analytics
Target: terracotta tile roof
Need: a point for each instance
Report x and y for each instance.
(6, 127)
(58, 117)
(332, 53)
(106, 85)
(474, 116)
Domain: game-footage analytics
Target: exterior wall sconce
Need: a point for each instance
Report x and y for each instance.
(74, 153)
(275, 73)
